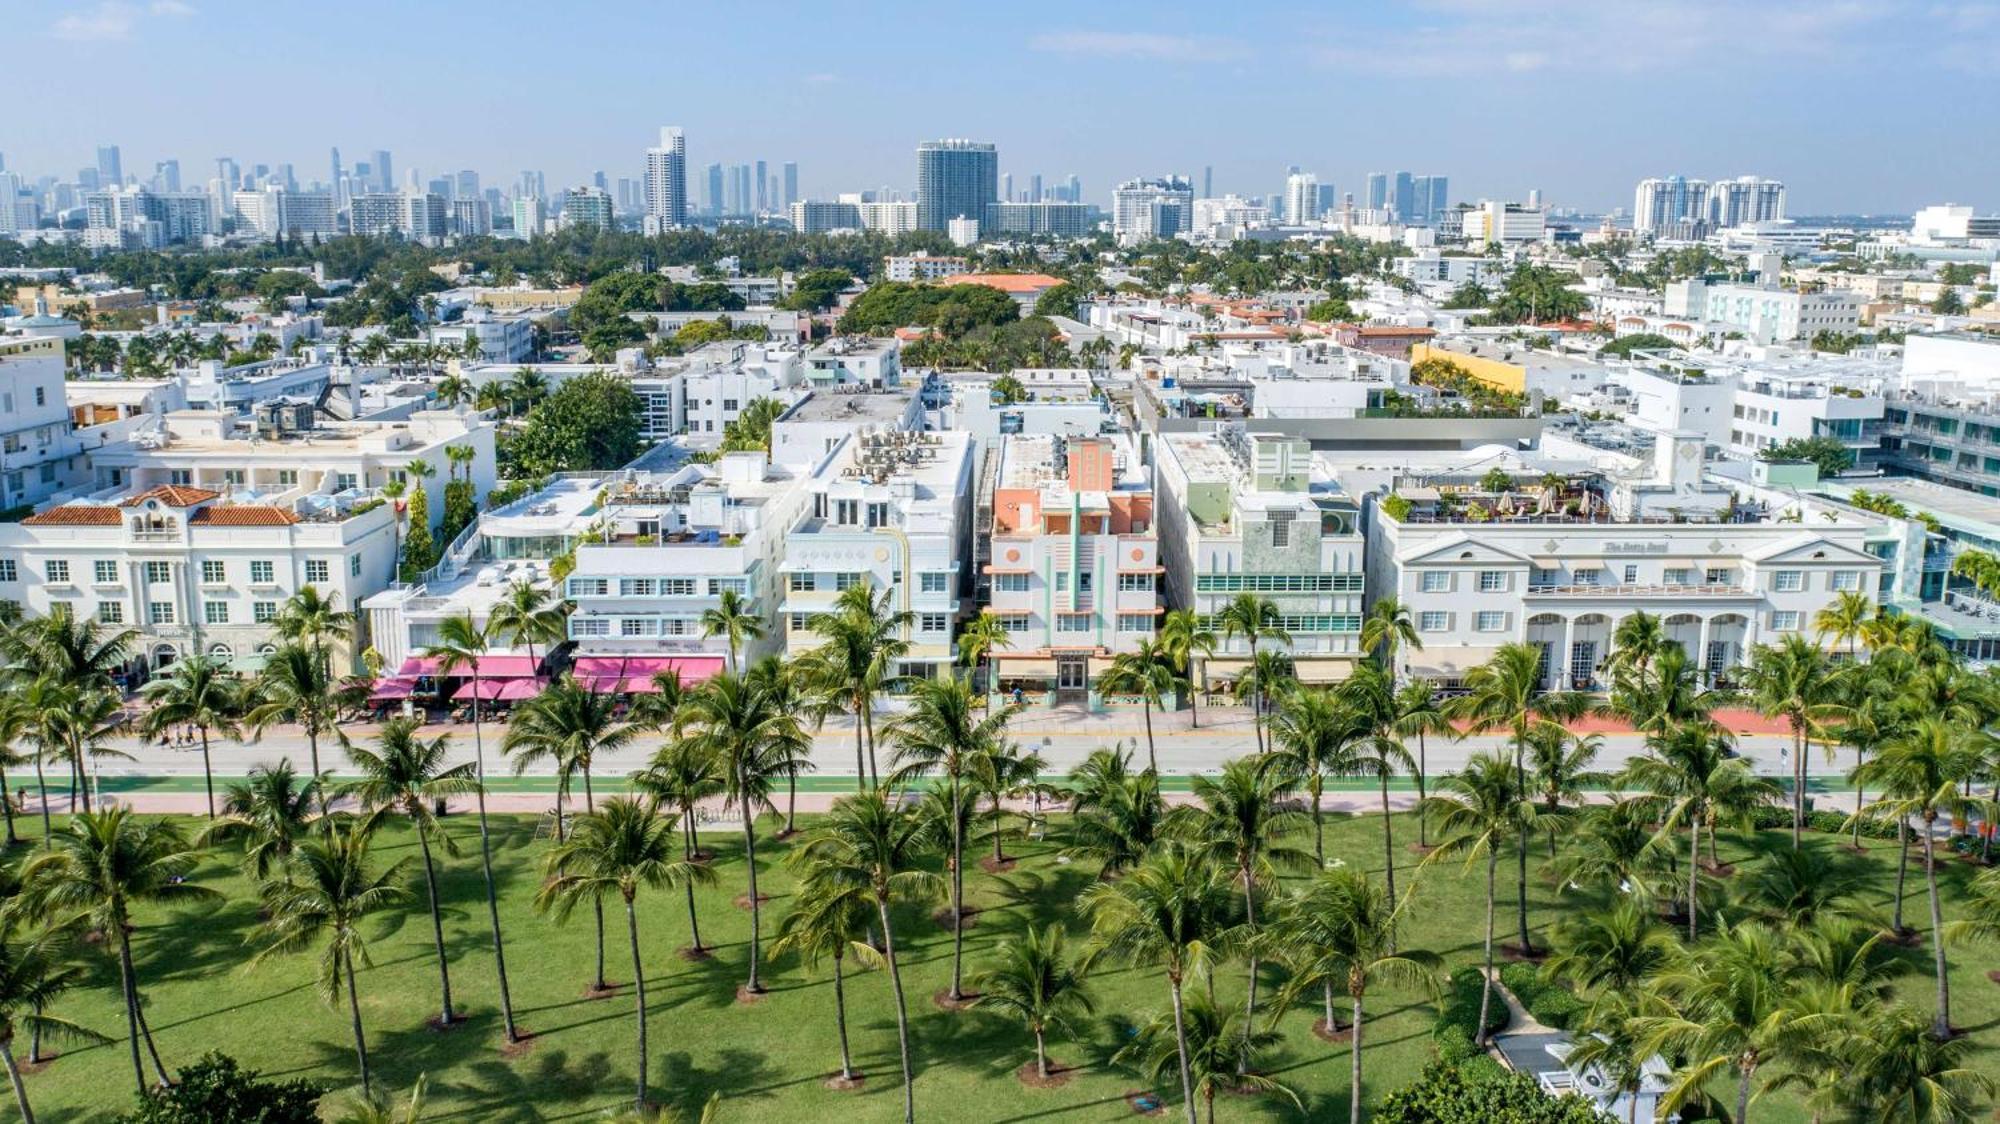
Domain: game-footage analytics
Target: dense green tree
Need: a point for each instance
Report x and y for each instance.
(589, 423)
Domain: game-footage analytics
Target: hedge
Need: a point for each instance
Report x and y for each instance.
(1770, 818)
(1552, 1004)
(1456, 1033)
(1448, 1093)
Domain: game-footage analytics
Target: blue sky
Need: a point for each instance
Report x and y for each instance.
(1867, 105)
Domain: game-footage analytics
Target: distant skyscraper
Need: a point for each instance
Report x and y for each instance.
(1440, 196)
(588, 208)
(467, 185)
(666, 182)
(1403, 196)
(600, 181)
(1035, 188)
(1208, 181)
(1155, 208)
(791, 183)
(955, 179)
(714, 182)
(226, 171)
(1301, 198)
(167, 174)
(1658, 204)
(1075, 187)
(1378, 191)
(385, 177)
(763, 198)
(1006, 187)
(110, 170)
(337, 171)
(1746, 199)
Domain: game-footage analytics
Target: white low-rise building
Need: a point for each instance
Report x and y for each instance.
(39, 453)
(1773, 315)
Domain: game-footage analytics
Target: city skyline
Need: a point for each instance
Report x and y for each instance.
(1508, 91)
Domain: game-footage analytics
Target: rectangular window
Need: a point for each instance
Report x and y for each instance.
(798, 622)
(934, 581)
(1073, 622)
(111, 612)
(215, 612)
(1846, 581)
(158, 573)
(261, 573)
(638, 626)
(1492, 581)
(57, 571)
(288, 477)
(1010, 583)
(160, 612)
(1490, 621)
(1135, 622)
(1585, 575)
(1085, 580)
(589, 587)
(1718, 575)
(8, 571)
(104, 573)
(1135, 583)
(718, 586)
(317, 570)
(934, 622)
(354, 565)
(1433, 621)
(1631, 576)
(589, 626)
(847, 512)
(1436, 581)
(878, 515)
(635, 587)
(846, 580)
(263, 612)
(1678, 575)
(1785, 620)
(1788, 581)
(802, 582)
(1281, 528)
(211, 572)
(677, 587)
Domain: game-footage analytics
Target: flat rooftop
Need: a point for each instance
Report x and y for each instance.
(859, 406)
(1923, 495)
(1030, 461)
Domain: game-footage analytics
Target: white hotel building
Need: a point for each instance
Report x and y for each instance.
(1659, 542)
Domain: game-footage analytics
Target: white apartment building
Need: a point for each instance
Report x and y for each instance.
(671, 545)
(1770, 315)
(1073, 558)
(1570, 552)
(814, 426)
(924, 267)
(867, 360)
(39, 454)
(1249, 513)
(192, 570)
(891, 509)
(1429, 267)
(502, 339)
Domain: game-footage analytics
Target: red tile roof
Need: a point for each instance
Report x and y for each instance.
(244, 515)
(1007, 282)
(174, 495)
(76, 515)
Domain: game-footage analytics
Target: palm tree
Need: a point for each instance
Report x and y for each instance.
(1635, 643)
(940, 733)
(35, 971)
(1371, 691)
(1340, 931)
(731, 617)
(683, 774)
(1421, 714)
(1004, 773)
(307, 617)
(1477, 809)
(1904, 1072)
(295, 688)
(1148, 672)
(864, 640)
(97, 868)
(1254, 618)
(323, 900)
(1616, 846)
(1315, 735)
(268, 812)
(16, 724)
(1185, 637)
(1115, 813)
(739, 720)
(82, 733)
(791, 693)
(1240, 825)
(526, 614)
(1693, 775)
(1561, 761)
(1034, 980)
(625, 847)
(36, 707)
(1608, 951)
(1387, 627)
(459, 646)
(1725, 1008)
(199, 691)
(75, 651)
(1801, 888)
(1844, 620)
(871, 841)
(978, 639)
(406, 775)
(1920, 774)
(1164, 914)
(1207, 1044)
(1795, 680)
(829, 918)
(1506, 693)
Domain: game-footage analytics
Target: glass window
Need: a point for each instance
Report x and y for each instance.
(111, 612)
(263, 612)
(1786, 620)
(1492, 581)
(158, 573)
(589, 587)
(1011, 583)
(1490, 621)
(260, 573)
(1788, 581)
(1135, 622)
(354, 565)
(677, 587)
(1436, 581)
(589, 626)
(215, 612)
(8, 571)
(934, 622)
(635, 587)
(934, 581)
(1014, 622)
(1718, 575)
(56, 570)
(1433, 621)
(1631, 576)
(211, 572)
(1845, 581)
(1073, 622)
(718, 586)
(846, 580)
(1135, 583)
(160, 612)
(802, 582)
(317, 570)
(1678, 576)
(104, 573)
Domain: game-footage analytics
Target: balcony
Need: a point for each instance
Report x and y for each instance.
(1595, 590)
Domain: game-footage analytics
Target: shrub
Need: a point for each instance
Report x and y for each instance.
(1457, 1028)
(1550, 1003)
(216, 1090)
(1488, 1094)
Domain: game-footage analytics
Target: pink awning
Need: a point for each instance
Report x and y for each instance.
(490, 667)
(515, 690)
(692, 669)
(488, 689)
(387, 690)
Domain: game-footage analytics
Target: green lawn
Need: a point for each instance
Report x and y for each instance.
(767, 1060)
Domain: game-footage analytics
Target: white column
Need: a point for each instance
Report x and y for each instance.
(1564, 674)
(1701, 652)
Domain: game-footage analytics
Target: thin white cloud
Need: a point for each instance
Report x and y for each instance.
(171, 8)
(1139, 45)
(822, 79)
(106, 22)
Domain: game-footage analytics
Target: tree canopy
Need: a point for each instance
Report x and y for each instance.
(590, 423)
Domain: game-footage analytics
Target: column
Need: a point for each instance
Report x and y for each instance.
(1701, 654)
(1564, 671)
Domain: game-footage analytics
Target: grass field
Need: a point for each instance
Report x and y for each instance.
(768, 1060)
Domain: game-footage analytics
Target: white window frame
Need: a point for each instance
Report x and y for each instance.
(1434, 581)
(1788, 581)
(1433, 620)
(1492, 581)
(1490, 620)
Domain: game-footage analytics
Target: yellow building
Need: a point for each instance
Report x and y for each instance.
(1496, 373)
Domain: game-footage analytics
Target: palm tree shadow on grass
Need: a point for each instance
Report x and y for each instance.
(737, 1074)
(502, 1091)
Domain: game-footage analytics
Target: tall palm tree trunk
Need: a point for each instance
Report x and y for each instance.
(207, 771)
(1250, 1001)
(1860, 799)
(860, 753)
(1902, 871)
(312, 747)
(1798, 785)
(1354, 1075)
(957, 894)
(1486, 986)
(486, 865)
(42, 789)
(1180, 1043)
(139, 1006)
(1743, 1098)
(1694, 874)
(129, 987)
(1941, 1023)
(1152, 758)
(437, 928)
(694, 921)
(750, 860)
(902, 1012)
(1318, 787)
(354, 1016)
(1194, 698)
(639, 996)
(868, 723)
(596, 904)
(840, 1017)
(1388, 841)
(7, 806)
(1423, 837)
(1041, 1054)
(1521, 850)
(14, 1076)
